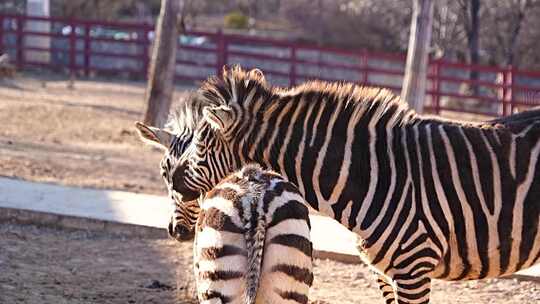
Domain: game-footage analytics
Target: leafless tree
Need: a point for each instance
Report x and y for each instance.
(414, 81)
(160, 86)
(507, 20)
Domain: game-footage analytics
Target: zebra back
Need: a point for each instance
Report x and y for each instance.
(252, 241)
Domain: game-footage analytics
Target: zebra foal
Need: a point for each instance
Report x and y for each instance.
(252, 242)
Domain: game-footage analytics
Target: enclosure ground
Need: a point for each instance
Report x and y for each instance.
(55, 266)
(85, 137)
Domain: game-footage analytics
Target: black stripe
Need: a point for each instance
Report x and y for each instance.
(384, 176)
(295, 241)
(213, 253)
(279, 188)
(292, 209)
(508, 195)
(220, 275)
(359, 173)
(299, 274)
(293, 296)
(220, 221)
(212, 294)
(531, 212)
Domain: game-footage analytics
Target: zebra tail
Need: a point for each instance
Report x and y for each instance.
(255, 252)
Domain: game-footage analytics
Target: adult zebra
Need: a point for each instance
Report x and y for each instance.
(428, 198)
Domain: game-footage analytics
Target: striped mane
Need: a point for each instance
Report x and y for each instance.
(243, 88)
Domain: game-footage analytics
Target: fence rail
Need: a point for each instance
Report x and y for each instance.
(85, 47)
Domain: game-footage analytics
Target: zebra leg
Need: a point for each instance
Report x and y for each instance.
(413, 290)
(387, 289)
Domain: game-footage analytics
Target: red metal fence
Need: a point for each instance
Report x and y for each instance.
(89, 47)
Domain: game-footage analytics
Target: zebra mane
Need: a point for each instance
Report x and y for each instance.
(238, 86)
(187, 113)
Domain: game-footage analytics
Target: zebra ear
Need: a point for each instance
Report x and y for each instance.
(257, 74)
(218, 117)
(154, 136)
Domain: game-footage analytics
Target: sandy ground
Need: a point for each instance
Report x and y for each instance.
(85, 137)
(82, 137)
(49, 266)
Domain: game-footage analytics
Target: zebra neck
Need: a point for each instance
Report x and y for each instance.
(320, 146)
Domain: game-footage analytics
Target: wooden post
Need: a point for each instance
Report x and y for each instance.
(436, 86)
(1, 34)
(145, 56)
(160, 88)
(364, 64)
(87, 50)
(414, 82)
(221, 58)
(504, 94)
(72, 55)
(292, 71)
(20, 42)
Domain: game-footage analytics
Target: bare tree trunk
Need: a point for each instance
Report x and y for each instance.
(414, 82)
(473, 41)
(160, 85)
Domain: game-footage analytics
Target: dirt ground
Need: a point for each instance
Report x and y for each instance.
(85, 137)
(82, 136)
(50, 266)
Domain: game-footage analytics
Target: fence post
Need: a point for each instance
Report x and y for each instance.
(87, 49)
(1, 34)
(504, 92)
(292, 71)
(20, 53)
(72, 49)
(510, 90)
(436, 86)
(145, 54)
(364, 66)
(221, 52)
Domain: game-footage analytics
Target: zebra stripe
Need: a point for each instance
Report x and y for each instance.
(428, 198)
(252, 241)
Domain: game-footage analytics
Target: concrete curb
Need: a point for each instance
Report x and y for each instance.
(30, 217)
(46, 219)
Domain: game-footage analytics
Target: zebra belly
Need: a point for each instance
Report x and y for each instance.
(495, 258)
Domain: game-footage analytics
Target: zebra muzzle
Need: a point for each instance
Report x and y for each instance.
(180, 232)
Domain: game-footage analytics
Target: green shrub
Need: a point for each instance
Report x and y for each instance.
(236, 20)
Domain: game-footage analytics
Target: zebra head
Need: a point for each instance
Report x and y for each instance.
(218, 115)
(184, 216)
(209, 157)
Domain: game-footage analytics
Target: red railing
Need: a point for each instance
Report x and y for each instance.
(85, 47)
